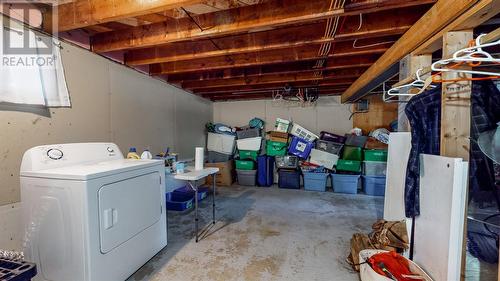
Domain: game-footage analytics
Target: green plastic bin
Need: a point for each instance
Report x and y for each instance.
(377, 155)
(349, 166)
(245, 165)
(248, 155)
(352, 153)
(274, 148)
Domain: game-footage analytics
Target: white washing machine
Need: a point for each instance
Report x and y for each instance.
(90, 214)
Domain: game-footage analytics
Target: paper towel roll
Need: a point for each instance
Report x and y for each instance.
(199, 158)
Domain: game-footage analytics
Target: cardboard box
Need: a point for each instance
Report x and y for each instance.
(226, 174)
(278, 136)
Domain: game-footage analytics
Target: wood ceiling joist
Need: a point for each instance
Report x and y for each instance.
(283, 68)
(233, 89)
(343, 49)
(272, 79)
(82, 13)
(440, 15)
(271, 14)
(323, 91)
(379, 24)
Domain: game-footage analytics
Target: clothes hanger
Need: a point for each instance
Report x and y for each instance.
(418, 84)
(472, 56)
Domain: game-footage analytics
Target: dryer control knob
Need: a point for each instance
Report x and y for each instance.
(54, 154)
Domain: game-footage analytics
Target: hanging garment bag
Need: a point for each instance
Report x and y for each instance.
(265, 170)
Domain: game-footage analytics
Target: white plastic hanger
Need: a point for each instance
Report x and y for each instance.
(418, 83)
(471, 55)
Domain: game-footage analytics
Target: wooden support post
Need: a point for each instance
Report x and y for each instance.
(456, 103)
(456, 114)
(408, 67)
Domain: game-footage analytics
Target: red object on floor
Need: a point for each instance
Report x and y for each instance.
(392, 262)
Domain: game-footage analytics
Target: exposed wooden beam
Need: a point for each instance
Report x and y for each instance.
(82, 13)
(440, 15)
(473, 17)
(274, 69)
(380, 24)
(266, 94)
(343, 49)
(268, 15)
(272, 79)
(235, 89)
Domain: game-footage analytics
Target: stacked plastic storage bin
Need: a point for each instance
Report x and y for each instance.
(315, 178)
(249, 144)
(374, 171)
(276, 145)
(348, 169)
(220, 147)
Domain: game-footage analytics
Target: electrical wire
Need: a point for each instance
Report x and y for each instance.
(369, 45)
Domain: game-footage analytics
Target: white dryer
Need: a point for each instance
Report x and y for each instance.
(89, 214)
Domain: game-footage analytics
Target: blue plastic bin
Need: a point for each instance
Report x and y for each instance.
(345, 183)
(315, 181)
(374, 185)
(179, 202)
(289, 179)
(300, 147)
(186, 190)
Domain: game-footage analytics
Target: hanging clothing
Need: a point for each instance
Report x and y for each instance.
(485, 114)
(424, 115)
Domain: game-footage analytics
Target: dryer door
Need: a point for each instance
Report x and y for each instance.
(128, 207)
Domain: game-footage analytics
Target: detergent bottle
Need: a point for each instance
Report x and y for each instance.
(146, 154)
(132, 154)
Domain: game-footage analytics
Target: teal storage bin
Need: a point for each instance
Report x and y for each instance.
(315, 181)
(345, 183)
(374, 185)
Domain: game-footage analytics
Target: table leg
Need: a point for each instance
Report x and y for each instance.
(195, 209)
(213, 198)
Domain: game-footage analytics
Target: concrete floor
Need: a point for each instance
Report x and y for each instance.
(265, 234)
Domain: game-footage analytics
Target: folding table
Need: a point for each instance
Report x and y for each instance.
(191, 177)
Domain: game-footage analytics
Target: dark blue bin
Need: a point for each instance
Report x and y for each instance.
(345, 183)
(179, 201)
(315, 181)
(374, 185)
(289, 179)
(186, 190)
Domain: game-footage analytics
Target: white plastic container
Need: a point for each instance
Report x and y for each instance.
(303, 133)
(252, 144)
(322, 158)
(282, 125)
(220, 143)
(367, 273)
(146, 155)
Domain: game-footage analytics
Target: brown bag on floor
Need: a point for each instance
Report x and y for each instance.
(359, 242)
(389, 235)
(386, 235)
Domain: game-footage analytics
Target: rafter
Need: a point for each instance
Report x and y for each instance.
(379, 24)
(234, 89)
(343, 49)
(282, 68)
(82, 13)
(272, 79)
(271, 14)
(264, 94)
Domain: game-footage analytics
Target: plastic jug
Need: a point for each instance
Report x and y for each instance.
(146, 155)
(132, 154)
